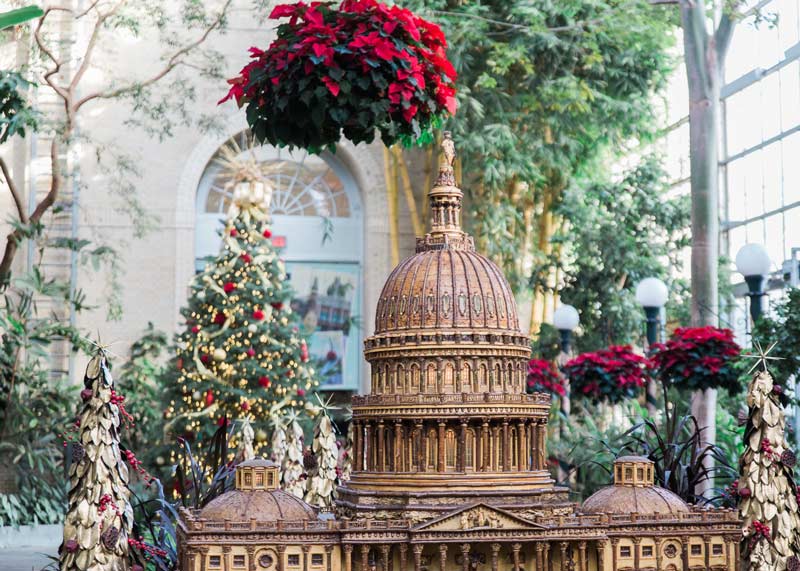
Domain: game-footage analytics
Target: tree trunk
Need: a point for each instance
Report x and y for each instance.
(704, 76)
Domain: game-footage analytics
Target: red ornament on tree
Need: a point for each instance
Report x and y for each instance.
(195, 329)
(229, 287)
(219, 318)
(267, 233)
(245, 405)
(234, 233)
(301, 392)
(205, 358)
(277, 305)
(331, 356)
(246, 258)
(251, 352)
(209, 398)
(179, 363)
(222, 421)
(264, 382)
(258, 315)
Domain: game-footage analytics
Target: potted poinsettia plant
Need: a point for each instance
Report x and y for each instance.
(347, 71)
(610, 375)
(698, 358)
(543, 377)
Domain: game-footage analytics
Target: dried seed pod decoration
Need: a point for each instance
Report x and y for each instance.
(789, 459)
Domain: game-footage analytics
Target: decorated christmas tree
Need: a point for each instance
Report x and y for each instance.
(323, 476)
(99, 517)
(292, 473)
(240, 355)
(766, 487)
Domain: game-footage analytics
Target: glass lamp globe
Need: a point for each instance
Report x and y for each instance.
(652, 292)
(752, 260)
(566, 318)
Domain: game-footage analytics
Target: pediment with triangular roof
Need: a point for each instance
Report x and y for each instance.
(477, 517)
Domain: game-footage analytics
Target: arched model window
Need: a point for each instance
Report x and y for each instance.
(318, 225)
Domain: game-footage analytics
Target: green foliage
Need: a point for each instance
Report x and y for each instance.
(19, 16)
(15, 113)
(620, 233)
(545, 88)
(38, 501)
(783, 329)
(143, 397)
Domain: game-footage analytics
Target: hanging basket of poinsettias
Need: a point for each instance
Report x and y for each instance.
(347, 71)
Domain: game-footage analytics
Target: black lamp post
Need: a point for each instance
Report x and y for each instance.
(752, 261)
(566, 319)
(652, 294)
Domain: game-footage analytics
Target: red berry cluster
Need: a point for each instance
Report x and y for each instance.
(766, 448)
(119, 400)
(146, 549)
(136, 464)
(761, 530)
(107, 502)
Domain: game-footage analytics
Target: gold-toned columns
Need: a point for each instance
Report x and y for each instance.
(563, 545)
(583, 561)
(364, 557)
(506, 447)
(485, 459)
(465, 557)
(515, 555)
(462, 447)
(399, 446)
(495, 555)
(381, 459)
(442, 557)
(386, 550)
(368, 448)
(417, 557)
(601, 554)
(403, 556)
(440, 465)
(348, 557)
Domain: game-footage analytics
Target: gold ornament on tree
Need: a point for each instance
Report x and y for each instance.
(99, 517)
(766, 487)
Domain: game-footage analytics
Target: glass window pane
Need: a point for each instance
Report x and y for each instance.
(770, 106)
(743, 115)
(790, 95)
(771, 169)
(791, 169)
(773, 227)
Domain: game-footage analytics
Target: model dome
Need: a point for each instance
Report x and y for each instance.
(634, 490)
(256, 495)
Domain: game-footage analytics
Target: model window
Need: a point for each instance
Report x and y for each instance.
(265, 561)
(270, 481)
(248, 479)
(696, 549)
(215, 561)
(628, 474)
(640, 473)
(716, 549)
(293, 560)
(317, 559)
(238, 560)
(259, 479)
(625, 551)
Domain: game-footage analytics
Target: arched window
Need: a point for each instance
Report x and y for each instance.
(415, 379)
(432, 450)
(449, 378)
(317, 222)
(469, 451)
(450, 449)
(431, 379)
